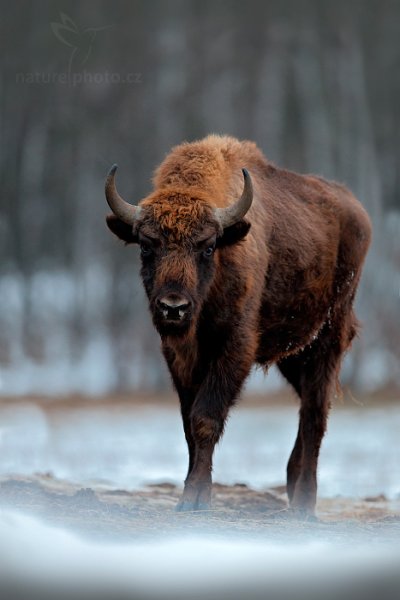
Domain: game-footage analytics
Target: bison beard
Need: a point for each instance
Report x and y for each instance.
(242, 269)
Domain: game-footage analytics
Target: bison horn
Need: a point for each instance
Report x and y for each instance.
(232, 214)
(127, 213)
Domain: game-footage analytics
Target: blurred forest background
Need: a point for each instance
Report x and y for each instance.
(84, 84)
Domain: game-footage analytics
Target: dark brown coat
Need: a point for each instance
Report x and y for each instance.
(278, 287)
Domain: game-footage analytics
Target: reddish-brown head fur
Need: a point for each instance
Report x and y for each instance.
(178, 231)
(178, 234)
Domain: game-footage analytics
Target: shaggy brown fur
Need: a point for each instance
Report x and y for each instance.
(279, 292)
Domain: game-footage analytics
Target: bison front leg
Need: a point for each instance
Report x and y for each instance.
(206, 431)
(207, 419)
(186, 398)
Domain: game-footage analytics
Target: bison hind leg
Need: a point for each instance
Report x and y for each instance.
(313, 374)
(291, 369)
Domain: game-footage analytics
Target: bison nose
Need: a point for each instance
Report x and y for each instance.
(173, 307)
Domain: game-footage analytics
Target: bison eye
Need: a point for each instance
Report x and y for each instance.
(209, 251)
(145, 249)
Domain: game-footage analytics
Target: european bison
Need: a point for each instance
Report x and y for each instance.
(245, 263)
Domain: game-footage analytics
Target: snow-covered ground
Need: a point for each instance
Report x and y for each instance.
(122, 447)
(194, 567)
(129, 447)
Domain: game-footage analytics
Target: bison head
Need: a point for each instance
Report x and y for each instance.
(179, 234)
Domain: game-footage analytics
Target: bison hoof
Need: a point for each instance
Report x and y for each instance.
(195, 498)
(185, 506)
(301, 513)
(188, 506)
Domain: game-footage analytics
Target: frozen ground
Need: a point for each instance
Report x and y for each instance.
(77, 510)
(128, 447)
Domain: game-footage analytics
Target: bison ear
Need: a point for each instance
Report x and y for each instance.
(121, 230)
(233, 234)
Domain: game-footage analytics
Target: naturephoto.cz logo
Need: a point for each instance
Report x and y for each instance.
(80, 43)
